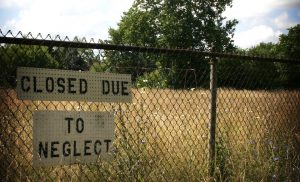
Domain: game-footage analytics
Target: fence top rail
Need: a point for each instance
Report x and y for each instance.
(107, 46)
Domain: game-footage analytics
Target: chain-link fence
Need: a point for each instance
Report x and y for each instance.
(194, 115)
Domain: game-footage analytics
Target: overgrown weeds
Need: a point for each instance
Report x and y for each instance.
(163, 136)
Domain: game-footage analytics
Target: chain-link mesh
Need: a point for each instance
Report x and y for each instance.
(163, 135)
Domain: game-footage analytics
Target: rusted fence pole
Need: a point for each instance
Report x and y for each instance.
(212, 117)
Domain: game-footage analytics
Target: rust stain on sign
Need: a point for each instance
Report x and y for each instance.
(64, 137)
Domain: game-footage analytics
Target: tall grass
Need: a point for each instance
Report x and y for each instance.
(163, 136)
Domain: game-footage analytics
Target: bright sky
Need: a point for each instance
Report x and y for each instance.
(259, 20)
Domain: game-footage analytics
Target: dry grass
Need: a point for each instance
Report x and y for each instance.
(163, 135)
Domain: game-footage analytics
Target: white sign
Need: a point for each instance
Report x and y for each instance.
(66, 85)
(64, 137)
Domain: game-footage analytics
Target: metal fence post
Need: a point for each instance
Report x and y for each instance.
(212, 116)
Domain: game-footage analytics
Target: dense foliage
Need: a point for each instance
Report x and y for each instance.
(196, 24)
(13, 56)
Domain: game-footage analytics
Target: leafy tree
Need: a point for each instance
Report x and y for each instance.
(262, 74)
(258, 74)
(72, 58)
(13, 56)
(194, 24)
(290, 44)
(184, 24)
(264, 49)
(289, 47)
(251, 74)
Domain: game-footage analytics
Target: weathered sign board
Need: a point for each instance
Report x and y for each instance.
(65, 85)
(64, 137)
